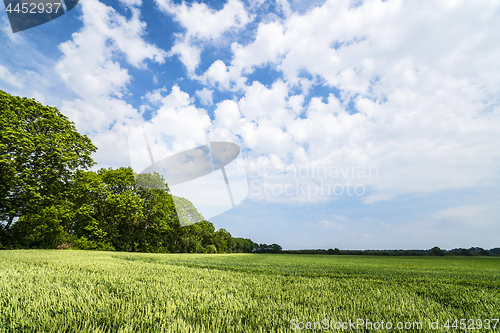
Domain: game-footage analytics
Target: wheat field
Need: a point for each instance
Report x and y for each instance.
(86, 291)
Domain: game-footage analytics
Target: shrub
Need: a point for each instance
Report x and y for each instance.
(211, 249)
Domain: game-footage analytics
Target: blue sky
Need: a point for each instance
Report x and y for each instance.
(410, 89)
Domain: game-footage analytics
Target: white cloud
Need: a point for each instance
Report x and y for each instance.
(375, 198)
(421, 77)
(41, 85)
(254, 4)
(183, 126)
(132, 3)
(5, 28)
(9, 78)
(462, 212)
(189, 55)
(371, 38)
(205, 96)
(176, 99)
(284, 7)
(328, 224)
(228, 116)
(268, 46)
(336, 223)
(90, 118)
(87, 64)
(224, 78)
(202, 22)
(202, 25)
(88, 67)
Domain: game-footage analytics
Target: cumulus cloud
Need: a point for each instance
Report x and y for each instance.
(418, 94)
(421, 110)
(205, 96)
(350, 47)
(202, 24)
(181, 125)
(89, 68)
(88, 65)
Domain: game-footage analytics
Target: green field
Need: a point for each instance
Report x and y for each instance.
(82, 291)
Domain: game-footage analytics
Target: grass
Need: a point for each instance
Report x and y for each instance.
(83, 291)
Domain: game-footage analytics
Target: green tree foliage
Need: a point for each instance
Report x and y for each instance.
(437, 251)
(211, 249)
(46, 228)
(186, 211)
(243, 245)
(484, 252)
(223, 240)
(333, 252)
(264, 248)
(39, 151)
(113, 212)
(160, 220)
(465, 252)
(108, 210)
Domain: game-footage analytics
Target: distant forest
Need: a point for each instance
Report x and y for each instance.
(435, 251)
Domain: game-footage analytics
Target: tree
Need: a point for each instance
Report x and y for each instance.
(160, 224)
(334, 252)
(110, 213)
(186, 211)
(89, 197)
(47, 228)
(276, 248)
(211, 249)
(40, 149)
(222, 240)
(437, 251)
(484, 252)
(207, 233)
(264, 248)
(495, 251)
(242, 245)
(465, 252)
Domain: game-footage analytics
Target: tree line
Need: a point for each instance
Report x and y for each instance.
(50, 199)
(435, 251)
